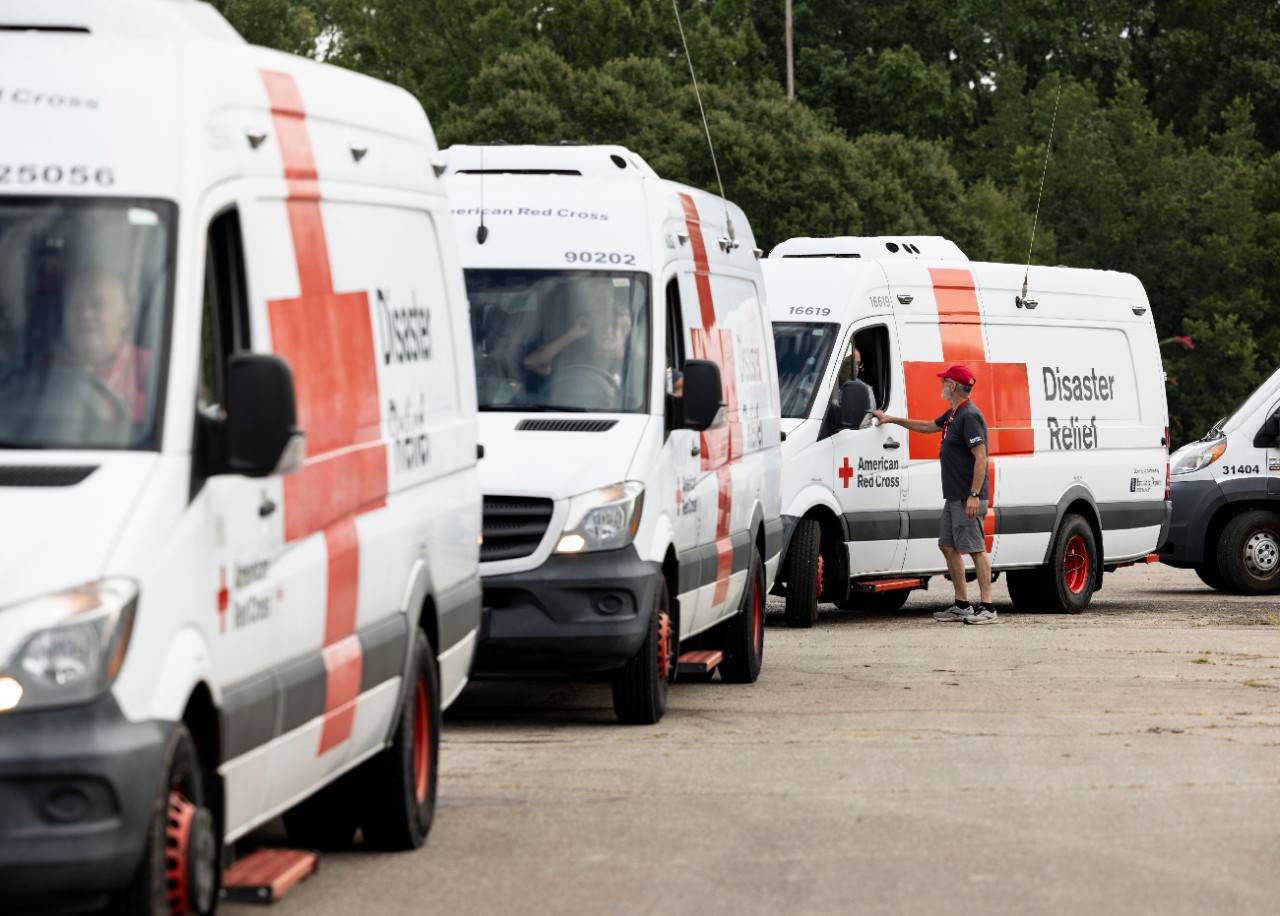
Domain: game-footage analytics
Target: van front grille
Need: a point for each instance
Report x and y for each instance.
(513, 526)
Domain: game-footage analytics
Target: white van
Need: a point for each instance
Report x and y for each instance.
(629, 416)
(213, 605)
(1226, 499)
(1069, 380)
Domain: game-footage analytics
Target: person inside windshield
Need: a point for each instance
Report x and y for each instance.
(597, 339)
(97, 321)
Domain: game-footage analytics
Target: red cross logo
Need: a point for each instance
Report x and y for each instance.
(845, 472)
(721, 446)
(1002, 392)
(327, 337)
(224, 599)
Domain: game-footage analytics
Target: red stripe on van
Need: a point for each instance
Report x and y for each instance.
(327, 337)
(721, 446)
(1002, 391)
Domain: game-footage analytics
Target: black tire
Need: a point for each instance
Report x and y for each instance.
(1210, 575)
(882, 603)
(397, 788)
(1066, 585)
(1249, 553)
(804, 574)
(640, 686)
(149, 892)
(744, 632)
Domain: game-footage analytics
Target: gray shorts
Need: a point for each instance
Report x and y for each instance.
(955, 530)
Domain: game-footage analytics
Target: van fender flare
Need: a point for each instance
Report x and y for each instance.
(417, 591)
(187, 664)
(1074, 493)
(811, 497)
(662, 536)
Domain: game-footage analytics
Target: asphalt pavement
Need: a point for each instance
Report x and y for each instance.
(1126, 760)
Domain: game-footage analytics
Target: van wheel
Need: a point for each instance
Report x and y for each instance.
(1210, 575)
(397, 788)
(640, 686)
(1249, 553)
(876, 603)
(805, 570)
(744, 645)
(180, 868)
(1066, 585)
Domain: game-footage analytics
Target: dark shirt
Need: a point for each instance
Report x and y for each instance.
(967, 429)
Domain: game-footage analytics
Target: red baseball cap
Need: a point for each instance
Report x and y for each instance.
(961, 374)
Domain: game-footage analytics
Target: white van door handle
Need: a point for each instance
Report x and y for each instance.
(695, 451)
(890, 443)
(266, 507)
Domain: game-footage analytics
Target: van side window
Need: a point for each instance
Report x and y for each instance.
(872, 348)
(675, 346)
(224, 324)
(224, 328)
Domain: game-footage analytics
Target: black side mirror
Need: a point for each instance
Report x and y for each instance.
(856, 401)
(1269, 435)
(703, 394)
(263, 437)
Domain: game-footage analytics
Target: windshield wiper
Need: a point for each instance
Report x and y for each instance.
(15, 444)
(532, 408)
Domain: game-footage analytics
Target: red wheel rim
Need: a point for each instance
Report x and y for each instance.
(1075, 565)
(664, 645)
(819, 572)
(421, 741)
(177, 852)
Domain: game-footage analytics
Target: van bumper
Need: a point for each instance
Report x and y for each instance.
(77, 787)
(1194, 503)
(573, 614)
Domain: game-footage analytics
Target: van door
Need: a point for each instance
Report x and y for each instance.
(869, 476)
(244, 541)
(681, 453)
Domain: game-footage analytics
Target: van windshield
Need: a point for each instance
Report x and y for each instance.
(1250, 405)
(803, 349)
(560, 340)
(84, 290)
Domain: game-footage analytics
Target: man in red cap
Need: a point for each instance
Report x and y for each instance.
(963, 459)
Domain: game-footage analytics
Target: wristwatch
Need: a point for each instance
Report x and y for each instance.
(973, 493)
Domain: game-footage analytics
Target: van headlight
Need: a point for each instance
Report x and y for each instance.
(77, 646)
(1196, 456)
(603, 519)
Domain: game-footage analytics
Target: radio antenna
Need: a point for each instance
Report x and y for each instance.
(706, 129)
(1044, 170)
(482, 232)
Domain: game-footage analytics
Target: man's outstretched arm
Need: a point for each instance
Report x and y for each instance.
(916, 426)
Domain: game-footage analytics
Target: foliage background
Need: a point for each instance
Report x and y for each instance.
(921, 116)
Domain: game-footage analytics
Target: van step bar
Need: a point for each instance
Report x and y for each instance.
(266, 875)
(878, 586)
(699, 662)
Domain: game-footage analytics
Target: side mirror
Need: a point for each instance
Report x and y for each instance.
(856, 402)
(1269, 435)
(703, 394)
(263, 438)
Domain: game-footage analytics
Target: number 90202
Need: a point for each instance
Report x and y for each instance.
(600, 257)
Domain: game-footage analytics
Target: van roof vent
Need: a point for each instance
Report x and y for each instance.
(928, 247)
(519, 172)
(601, 162)
(566, 426)
(38, 475)
(65, 29)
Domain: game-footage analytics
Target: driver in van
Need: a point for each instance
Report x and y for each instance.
(96, 324)
(851, 370)
(598, 338)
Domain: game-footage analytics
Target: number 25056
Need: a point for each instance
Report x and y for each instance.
(30, 173)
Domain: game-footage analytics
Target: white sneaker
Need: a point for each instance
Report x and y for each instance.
(954, 614)
(985, 615)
